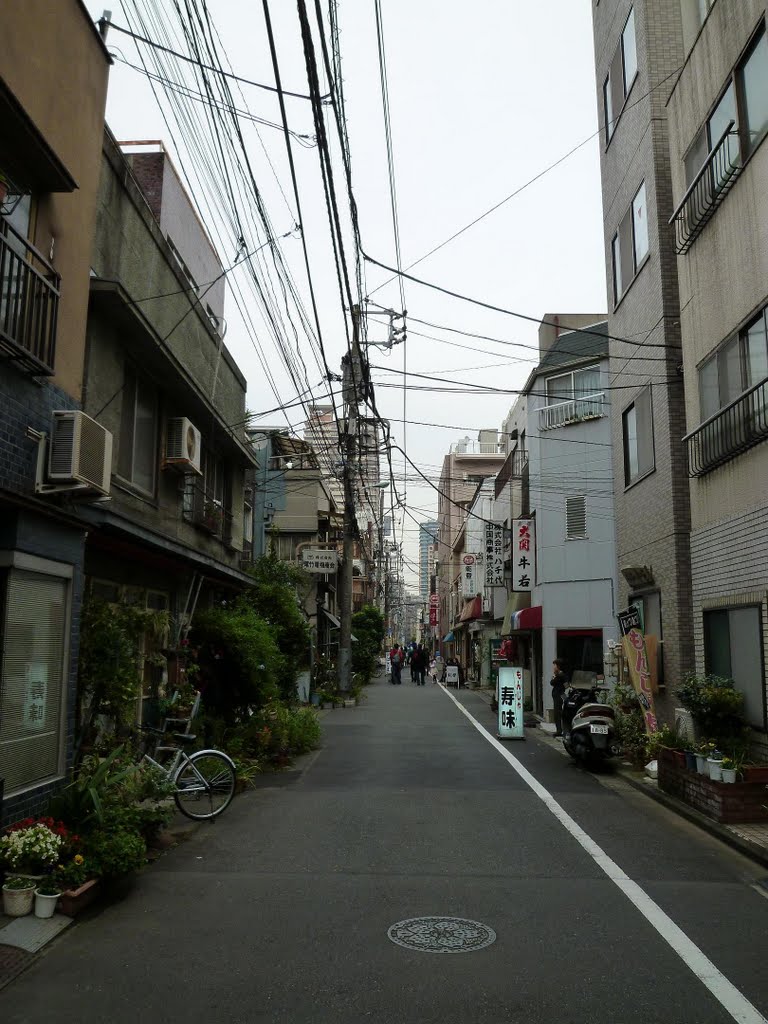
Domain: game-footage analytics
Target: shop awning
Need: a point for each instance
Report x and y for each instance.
(515, 603)
(472, 609)
(528, 618)
(335, 622)
(449, 638)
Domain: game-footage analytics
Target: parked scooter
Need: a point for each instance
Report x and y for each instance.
(589, 728)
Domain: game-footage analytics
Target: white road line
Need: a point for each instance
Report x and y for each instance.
(729, 997)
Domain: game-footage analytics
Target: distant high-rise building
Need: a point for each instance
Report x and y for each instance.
(427, 541)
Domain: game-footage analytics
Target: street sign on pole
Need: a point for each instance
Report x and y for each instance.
(510, 700)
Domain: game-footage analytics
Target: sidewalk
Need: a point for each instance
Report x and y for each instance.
(749, 838)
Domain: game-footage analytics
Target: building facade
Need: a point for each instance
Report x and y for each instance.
(427, 537)
(718, 122)
(639, 53)
(51, 121)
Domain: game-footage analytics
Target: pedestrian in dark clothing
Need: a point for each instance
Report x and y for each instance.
(558, 683)
(423, 659)
(396, 660)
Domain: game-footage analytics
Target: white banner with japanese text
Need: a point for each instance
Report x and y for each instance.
(510, 701)
(494, 555)
(523, 555)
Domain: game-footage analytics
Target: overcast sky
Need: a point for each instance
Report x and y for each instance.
(483, 97)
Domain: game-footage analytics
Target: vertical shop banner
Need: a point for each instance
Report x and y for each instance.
(433, 615)
(523, 555)
(510, 703)
(468, 576)
(636, 653)
(494, 555)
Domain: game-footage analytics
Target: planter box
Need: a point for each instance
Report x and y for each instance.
(727, 803)
(756, 773)
(74, 901)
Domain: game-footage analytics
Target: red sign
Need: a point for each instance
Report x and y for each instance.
(433, 616)
(434, 600)
(469, 559)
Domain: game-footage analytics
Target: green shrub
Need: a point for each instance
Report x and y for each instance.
(115, 851)
(368, 627)
(715, 704)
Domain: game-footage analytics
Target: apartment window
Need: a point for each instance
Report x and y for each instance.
(34, 623)
(630, 244)
(568, 387)
(182, 265)
(137, 457)
(576, 517)
(745, 103)
(733, 649)
(621, 75)
(738, 365)
(637, 426)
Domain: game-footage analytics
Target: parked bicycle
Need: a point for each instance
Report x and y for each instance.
(204, 780)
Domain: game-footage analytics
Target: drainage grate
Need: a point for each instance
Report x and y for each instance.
(441, 934)
(12, 962)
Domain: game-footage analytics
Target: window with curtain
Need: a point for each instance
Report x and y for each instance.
(138, 453)
(630, 244)
(637, 428)
(739, 364)
(621, 74)
(33, 674)
(566, 387)
(733, 649)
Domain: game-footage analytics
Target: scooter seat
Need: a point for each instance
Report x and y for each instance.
(596, 711)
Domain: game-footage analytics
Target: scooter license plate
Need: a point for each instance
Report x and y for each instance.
(601, 730)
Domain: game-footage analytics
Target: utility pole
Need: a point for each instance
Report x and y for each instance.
(352, 377)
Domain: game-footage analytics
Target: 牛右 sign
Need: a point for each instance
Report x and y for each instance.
(523, 555)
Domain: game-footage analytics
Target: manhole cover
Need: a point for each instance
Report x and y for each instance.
(441, 934)
(12, 962)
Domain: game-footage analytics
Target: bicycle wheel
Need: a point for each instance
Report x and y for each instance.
(205, 785)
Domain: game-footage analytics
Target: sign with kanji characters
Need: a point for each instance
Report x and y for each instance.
(636, 653)
(510, 701)
(433, 615)
(523, 555)
(630, 619)
(36, 696)
(468, 576)
(494, 555)
(319, 560)
(434, 600)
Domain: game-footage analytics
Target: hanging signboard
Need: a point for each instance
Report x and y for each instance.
(523, 555)
(510, 700)
(494, 555)
(319, 560)
(630, 619)
(468, 576)
(434, 600)
(433, 615)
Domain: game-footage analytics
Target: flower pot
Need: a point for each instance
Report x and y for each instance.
(701, 764)
(73, 901)
(715, 769)
(18, 902)
(690, 760)
(729, 774)
(315, 699)
(44, 904)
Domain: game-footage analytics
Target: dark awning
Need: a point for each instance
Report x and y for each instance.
(335, 622)
(515, 603)
(472, 609)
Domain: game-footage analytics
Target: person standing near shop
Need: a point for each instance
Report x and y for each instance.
(558, 683)
(396, 660)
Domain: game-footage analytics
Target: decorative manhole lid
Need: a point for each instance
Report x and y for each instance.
(441, 934)
(12, 962)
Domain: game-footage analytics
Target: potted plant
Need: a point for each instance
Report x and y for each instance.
(703, 750)
(714, 763)
(690, 760)
(18, 893)
(728, 769)
(46, 898)
(32, 847)
(213, 516)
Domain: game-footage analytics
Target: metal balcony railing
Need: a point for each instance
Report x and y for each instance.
(732, 430)
(707, 190)
(29, 303)
(207, 512)
(513, 468)
(561, 414)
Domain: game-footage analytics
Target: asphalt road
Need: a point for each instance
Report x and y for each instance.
(280, 911)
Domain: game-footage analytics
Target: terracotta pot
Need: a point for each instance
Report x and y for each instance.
(74, 901)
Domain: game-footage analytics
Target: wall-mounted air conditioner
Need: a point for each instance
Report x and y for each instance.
(183, 448)
(79, 452)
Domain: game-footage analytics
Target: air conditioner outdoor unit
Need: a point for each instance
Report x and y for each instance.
(183, 448)
(80, 451)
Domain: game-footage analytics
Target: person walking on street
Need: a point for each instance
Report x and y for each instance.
(396, 661)
(558, 683)
(422, 676)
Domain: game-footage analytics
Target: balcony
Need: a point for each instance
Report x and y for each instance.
(562, 414)
(468, 447)
(29, 304)
(206, 512)
(731, 431)
(513, 468)
(707, 190)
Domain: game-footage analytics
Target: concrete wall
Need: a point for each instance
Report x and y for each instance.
(652, 515)
(57, 68)
(130, 248)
